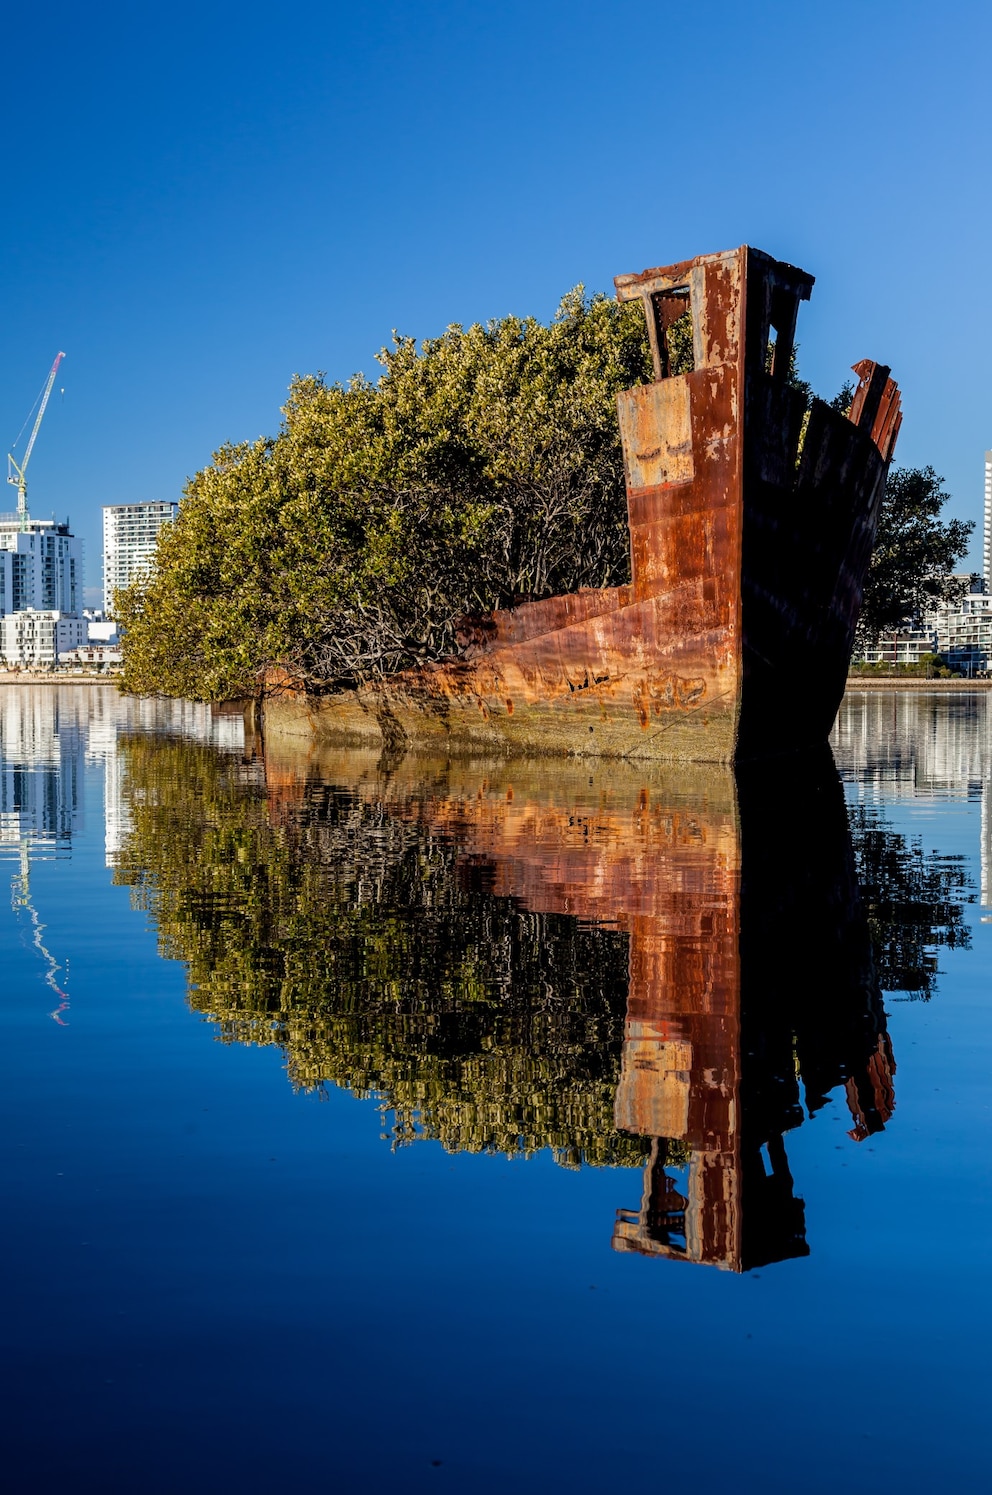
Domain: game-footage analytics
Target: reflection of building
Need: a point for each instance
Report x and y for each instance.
(49, 732)
(47, 735)
(920, 745)
(41, 759)
(915, 742)
(129, 535)
(986, 848)
(192, 719)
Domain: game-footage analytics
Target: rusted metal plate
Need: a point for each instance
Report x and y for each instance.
(656, 432)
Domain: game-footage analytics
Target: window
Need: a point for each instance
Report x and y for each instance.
(671, 343)
(781, 333)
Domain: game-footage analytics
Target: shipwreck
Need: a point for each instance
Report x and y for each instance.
(752, 521)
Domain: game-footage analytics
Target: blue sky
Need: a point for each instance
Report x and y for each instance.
(203, 199)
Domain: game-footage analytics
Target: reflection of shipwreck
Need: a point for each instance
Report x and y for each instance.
(750, 962)
(751, 529)
(770, 982)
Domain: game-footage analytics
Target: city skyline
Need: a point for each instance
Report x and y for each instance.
(401, 168)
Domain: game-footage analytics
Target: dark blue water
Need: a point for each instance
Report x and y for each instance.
(482, 1128)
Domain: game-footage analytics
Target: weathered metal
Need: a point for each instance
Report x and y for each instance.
(750, 538)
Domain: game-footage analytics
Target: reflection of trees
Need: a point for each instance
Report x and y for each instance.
(914, 900)
(350, 938)
(368, 942)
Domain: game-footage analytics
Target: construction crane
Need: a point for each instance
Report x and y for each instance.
(17, 474)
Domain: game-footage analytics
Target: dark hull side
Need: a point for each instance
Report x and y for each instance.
(750, 541)
(809, 528)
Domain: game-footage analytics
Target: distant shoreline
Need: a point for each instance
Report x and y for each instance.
(913, 682)
(24, 677)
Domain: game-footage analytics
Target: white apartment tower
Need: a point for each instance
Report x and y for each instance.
(129, 534)
(987, 567)
(41, 566)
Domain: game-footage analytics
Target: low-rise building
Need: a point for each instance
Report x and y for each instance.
(964, 629)
(961, 632)
(32, 638)
(96, 656)
(900, 646)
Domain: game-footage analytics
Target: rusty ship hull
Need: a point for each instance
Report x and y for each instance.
(751, 530)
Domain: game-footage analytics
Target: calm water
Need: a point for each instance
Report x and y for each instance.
(480, 1127)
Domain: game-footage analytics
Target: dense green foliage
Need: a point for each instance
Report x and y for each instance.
(928, 667)
(915, 553)
(482, 466)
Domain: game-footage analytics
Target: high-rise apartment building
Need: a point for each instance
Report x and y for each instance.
(988, 522)
(129, 534)
(41, 566)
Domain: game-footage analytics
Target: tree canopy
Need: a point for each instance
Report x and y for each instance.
(916, 551)
(484, 465)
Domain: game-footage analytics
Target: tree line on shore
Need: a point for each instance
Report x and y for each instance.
(482, 467)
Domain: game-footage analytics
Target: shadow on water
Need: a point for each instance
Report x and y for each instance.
(627, 965)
